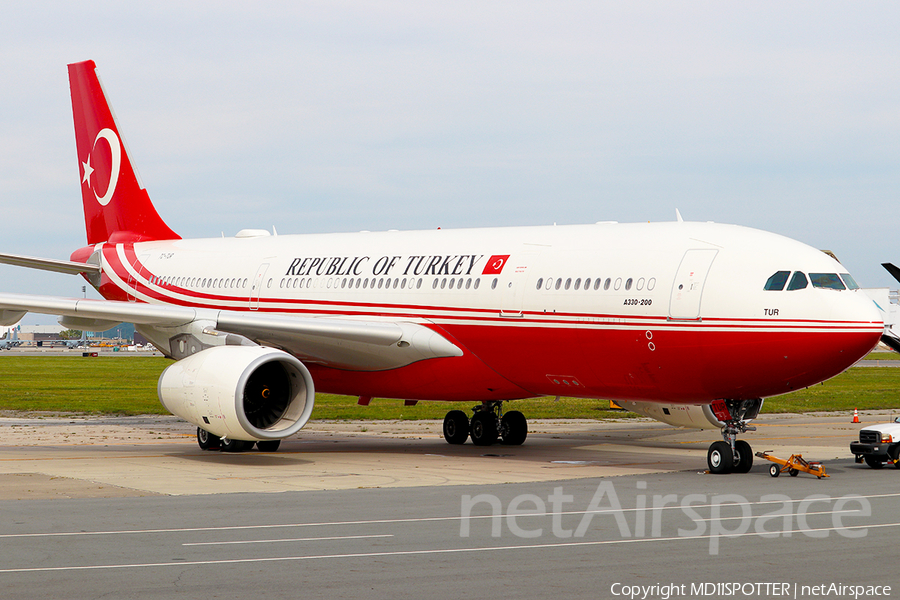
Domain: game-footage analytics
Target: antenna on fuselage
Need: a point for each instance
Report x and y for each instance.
(678, 216)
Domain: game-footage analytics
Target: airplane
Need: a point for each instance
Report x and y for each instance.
(11, 340)
(79, 343)
(691, 323)
(891, 338)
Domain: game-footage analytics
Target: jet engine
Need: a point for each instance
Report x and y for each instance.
(249, 393)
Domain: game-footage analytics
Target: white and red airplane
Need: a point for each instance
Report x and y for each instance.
(690, 323)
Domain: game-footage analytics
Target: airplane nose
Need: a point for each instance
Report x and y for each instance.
(864, 322)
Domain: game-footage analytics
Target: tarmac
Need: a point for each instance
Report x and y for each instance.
(52, 456)
(132, 508)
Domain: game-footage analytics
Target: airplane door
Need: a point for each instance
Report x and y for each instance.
(512, 295)
(687, 289)
(256, 286)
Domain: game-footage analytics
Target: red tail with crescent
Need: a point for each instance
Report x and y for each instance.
(116, 207)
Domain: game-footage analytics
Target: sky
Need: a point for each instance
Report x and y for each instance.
(344, 116)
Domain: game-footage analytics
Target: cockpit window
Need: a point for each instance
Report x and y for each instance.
(851, 283)
(798, 281)
(776, 282)
(828, 281)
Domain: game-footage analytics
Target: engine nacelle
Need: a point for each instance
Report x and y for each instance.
(696, 416)
(240, 392)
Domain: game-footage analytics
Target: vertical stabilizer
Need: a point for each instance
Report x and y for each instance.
(116, 207)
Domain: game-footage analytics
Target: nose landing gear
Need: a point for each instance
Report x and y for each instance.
(488, 424)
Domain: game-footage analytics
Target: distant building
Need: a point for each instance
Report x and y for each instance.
(38, 333)
(44, 333)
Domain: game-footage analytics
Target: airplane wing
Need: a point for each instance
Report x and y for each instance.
(344, 343)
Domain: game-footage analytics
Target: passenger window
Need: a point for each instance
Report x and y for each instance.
(540, 282)
(829, 281)
(798, 282)
(851, 283)
(776, 282)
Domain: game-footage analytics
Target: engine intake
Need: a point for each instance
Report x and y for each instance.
(240, 392)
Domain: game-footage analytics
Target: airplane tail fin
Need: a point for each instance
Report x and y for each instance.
(116, 206)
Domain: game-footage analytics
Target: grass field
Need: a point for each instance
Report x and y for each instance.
(127, 386)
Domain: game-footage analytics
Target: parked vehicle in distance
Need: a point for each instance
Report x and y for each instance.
(878, 444)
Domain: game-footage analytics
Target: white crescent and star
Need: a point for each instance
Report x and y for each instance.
(115, 149)
(497, 264)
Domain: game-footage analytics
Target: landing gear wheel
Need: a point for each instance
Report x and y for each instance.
(873, 462)
(456, 427)
(268, 445)
(235, 445)
(745, 457)
(206, 440)
(484, 428)
(774, 470)
(513, 428)
(720, 458)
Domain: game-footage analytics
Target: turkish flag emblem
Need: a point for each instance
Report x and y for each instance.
(495, 264)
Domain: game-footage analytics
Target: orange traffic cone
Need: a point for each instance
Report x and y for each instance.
(855, 416)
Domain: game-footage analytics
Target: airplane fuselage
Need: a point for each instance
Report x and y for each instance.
(673, 312)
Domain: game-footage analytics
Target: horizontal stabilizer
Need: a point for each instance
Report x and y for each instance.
(49, 264)
(892, 269)
(892, 341)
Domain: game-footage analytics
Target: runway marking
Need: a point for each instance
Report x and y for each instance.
(416, 519)
(778, 515)
(315, 539)
(439, 551)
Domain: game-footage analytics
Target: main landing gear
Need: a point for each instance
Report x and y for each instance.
(208, 441)
(488, 424)
(733, 455)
